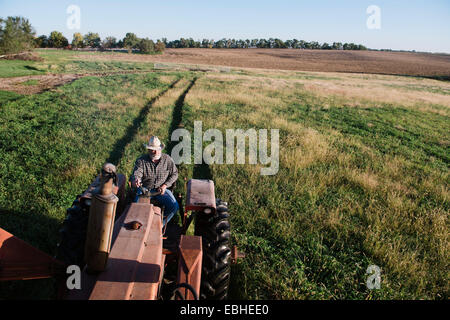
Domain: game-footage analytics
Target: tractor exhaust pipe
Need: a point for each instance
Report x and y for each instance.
(101, 221)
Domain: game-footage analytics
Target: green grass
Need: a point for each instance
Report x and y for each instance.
(31, 82)
(388, 129)
(361, 182)
(424, 88)
(71, 62)
(76, 66)
(17, 68)
(6, 96)
(63, 61)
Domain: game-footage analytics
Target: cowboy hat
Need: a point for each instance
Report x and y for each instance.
(154, 144)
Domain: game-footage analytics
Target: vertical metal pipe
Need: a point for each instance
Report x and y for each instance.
(101, 222)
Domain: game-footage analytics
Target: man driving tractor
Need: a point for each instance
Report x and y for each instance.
(156, 171)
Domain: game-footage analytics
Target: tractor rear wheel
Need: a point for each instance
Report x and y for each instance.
(73, 235)
(215, 233)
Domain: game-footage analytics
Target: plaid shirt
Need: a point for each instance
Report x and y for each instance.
(154, 175)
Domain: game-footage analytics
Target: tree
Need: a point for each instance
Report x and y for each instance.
(109, 42)
(160, 46)
(302, 44)
(173, 44)
(57, 40)
(92, 40)
(130, 41)
(220, 44)
(277, 43)
(146, 46)
(314, 45)
(77, 41)
(337, 46)
(262, 43)
(41, 42)
(361, 47)
(326, 46)
(350, 46)
(16, 35)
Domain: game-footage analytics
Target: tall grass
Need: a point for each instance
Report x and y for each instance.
(357, 186)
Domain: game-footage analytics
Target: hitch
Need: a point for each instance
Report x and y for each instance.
(236, 254)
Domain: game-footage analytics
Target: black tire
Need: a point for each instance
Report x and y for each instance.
(73, 235)
(215, 233)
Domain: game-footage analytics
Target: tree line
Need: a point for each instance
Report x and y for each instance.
(273, 43)
(131, 41)
(17, 35)
(92, 40)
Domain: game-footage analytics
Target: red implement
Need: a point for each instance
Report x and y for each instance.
(21, 261)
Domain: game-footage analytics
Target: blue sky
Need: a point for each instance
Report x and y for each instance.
(405, 25)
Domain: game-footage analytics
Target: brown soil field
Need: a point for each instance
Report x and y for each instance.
(377, 62)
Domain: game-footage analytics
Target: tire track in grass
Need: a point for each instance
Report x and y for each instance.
(119, 147)
(177, 114)
(215, 243)
(200, 171)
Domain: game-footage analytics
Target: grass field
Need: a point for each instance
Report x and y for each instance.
(62, 61)
(363, 177)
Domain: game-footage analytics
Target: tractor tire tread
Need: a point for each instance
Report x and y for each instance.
(215, 233)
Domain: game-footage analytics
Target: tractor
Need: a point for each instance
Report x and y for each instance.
(114, 235)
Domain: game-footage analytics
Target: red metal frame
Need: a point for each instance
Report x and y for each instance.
(190, 264)
(21, 261)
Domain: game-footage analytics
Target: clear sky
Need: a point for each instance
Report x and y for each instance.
(405, 24)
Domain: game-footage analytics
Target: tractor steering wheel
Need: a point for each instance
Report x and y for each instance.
(147, 192)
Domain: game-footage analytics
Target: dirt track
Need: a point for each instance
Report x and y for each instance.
(399, 63)
(44, 82)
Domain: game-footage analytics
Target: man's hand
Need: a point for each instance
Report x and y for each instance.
(136, 183)
(162, 189)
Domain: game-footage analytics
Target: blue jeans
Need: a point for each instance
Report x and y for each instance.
(167, 200)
